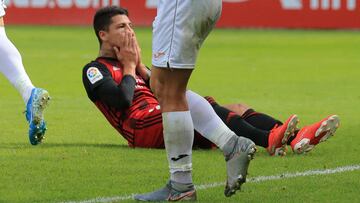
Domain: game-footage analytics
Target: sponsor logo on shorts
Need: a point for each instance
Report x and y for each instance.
(159, 54)
(94, 75)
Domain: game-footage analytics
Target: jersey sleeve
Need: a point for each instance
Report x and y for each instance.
(100, 86)
(95, 74)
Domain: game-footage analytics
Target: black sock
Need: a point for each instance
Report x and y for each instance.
(240, 126)
(264, 122)
(260, 120)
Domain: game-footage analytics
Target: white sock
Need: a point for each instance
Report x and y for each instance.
(178, 138)
(11, 66)
(207, 122)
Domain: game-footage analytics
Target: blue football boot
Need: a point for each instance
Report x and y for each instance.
(34, 114)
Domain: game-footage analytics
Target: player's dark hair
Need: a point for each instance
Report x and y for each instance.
(102, 18)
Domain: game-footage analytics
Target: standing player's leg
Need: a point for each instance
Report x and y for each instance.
(175, 49)
(170, 74)
(35, 98)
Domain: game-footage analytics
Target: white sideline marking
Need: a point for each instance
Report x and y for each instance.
(249, 180)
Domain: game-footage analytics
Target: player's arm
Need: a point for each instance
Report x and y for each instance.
(100, 86)
(118, 96)
(121, 96)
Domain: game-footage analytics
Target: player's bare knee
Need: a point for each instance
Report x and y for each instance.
(238, 108)
(242, 108)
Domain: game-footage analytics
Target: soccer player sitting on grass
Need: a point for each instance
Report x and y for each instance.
(131, 108)
(35, 99)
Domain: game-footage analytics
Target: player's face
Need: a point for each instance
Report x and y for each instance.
(119, 25)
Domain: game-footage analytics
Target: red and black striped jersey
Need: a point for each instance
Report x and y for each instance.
(97, 75)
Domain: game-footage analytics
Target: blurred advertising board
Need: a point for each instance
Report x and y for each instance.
(339, 14)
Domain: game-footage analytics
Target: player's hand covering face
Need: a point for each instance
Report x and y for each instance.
(127, 51)
(138, 50)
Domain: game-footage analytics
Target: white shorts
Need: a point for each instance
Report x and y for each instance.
(2, 8)
(180, 28)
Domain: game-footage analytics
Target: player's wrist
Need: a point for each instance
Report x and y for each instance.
(129, 70)
(129, 65)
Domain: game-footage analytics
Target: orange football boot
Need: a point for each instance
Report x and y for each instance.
(309, 136)
(279, 136)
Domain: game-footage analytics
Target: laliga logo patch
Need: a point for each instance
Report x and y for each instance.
(94, 75)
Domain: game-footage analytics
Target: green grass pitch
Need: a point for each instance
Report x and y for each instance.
(279, 72)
